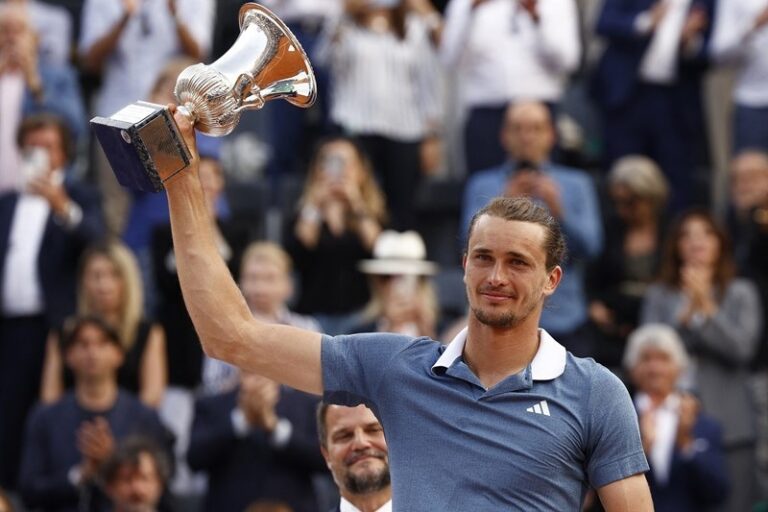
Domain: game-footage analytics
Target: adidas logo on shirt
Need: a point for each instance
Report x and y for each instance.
(540, 408)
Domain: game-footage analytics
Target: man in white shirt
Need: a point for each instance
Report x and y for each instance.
(740, 38)
(504, 51)
(353, 444)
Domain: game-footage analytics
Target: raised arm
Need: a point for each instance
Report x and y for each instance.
(226, 328)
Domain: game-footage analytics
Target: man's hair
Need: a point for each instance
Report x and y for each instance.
(322, 428)
(267, 251)
(74, 325)
(524, 209)
(128, 453)
(44, 120)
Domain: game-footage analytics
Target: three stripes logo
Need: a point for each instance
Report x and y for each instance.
(540, 408)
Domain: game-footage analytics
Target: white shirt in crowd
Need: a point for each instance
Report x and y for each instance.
(665, 417)
(346, 506)
(659, 64)
(735, 41)
(383, 85)
(294, 10)
(502, 55)
(147, 43)
(11, 99)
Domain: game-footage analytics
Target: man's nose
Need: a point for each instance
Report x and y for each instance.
(360, 439)
(498, 274)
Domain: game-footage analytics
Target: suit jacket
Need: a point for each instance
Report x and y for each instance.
(617, 74)
(60, 249)
(698, 481)
(242, 470)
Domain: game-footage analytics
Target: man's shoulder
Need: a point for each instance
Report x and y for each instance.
(569, 174)
(487, 176)
(386, 347)
(52, 412)
(586, 372)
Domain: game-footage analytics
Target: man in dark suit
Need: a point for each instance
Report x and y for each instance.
(43, 230)
(353, 444)
(648, 83)
(683, 445)
(256, 443)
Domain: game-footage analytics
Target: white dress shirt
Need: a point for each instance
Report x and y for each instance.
(22, 293)
(148, 42)
(735, 41)
(501, 54)
(11, 99)
(659, 64)
(294, 10)
(666, 417)
(346, 506)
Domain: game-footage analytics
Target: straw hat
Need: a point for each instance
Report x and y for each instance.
(397, 254)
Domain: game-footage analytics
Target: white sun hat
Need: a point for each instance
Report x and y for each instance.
(399, 254)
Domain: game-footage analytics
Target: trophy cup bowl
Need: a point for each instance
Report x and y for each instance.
(266, 62)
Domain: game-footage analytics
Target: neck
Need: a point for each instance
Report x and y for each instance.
(494, 354)
(96, 394)
(658, 398)
(371, 501)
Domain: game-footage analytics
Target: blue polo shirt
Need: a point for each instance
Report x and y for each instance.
(535, 441)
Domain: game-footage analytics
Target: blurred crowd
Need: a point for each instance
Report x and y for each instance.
(642, 125)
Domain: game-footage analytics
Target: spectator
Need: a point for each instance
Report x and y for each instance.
(110, 287)
(718, 317)
(67, 442)
(53, 27)
(683, 445)
(30, 86)
(128, 42)
(569, 194)
(341, 213)
(291, 129)
(740, 39)
(43, 231)
(648, 85)
(353, 444)
(375, 45)
(618, 279)
(256, 442)
(749, 190)
(135, 476)
(265, 280)
(402, 296)
(504, 52)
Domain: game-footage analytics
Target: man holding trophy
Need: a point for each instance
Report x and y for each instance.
(502, 418)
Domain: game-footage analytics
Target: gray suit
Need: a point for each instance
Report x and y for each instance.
(721, 348)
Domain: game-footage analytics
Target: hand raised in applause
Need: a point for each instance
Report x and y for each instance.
(257, 399)
(95, 443)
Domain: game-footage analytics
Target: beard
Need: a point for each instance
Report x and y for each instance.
(367, 481)
(504, 319)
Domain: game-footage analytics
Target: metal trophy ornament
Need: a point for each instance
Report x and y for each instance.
(266, 62)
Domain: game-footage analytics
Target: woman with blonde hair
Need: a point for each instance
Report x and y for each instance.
(110, 287)
(341, 213)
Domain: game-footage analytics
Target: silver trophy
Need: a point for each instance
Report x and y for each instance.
(265, 63)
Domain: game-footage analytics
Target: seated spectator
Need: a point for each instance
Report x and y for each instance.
(67, 442)
(353, 444)
(570, 196)
(341, 213)
(43, 230)
(256, 442)
(683, 444)
(749, 190)
(135, 475)
(30, 86)
(374, 45)
(618, 279)
(718, 318)
(740, 39)
(402, 296)
(110, 287)
(478, 41)
(266, 283)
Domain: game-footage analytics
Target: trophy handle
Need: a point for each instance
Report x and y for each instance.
(248, 92)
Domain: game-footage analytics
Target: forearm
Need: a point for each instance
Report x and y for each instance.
(189, 44)
(94, 58)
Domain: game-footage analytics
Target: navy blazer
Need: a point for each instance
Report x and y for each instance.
(698, 482)
(244, 470)
(60, 249)
(617, 73)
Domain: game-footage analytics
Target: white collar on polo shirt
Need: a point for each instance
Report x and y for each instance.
(346, 506)
(547, 364)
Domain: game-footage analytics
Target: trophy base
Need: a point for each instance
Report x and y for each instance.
(138, 140)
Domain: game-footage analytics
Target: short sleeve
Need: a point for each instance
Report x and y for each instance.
(615, 450)
(354, 365)
(199, 18)
(98, 18)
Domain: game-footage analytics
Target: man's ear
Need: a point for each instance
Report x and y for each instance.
(553, 280)
(464, 267)
(324, 451)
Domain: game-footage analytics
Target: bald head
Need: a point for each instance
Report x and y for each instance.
(749, 180)
(528, 133)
